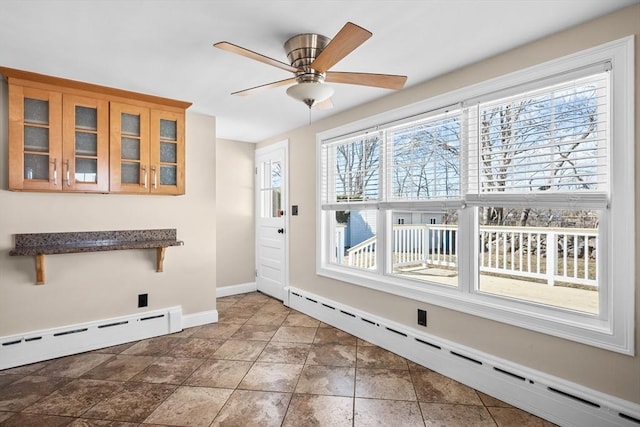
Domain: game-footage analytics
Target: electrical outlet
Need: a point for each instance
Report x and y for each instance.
(143, 300)
(422, 317)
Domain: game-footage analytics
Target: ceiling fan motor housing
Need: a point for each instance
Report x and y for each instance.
(302, 50)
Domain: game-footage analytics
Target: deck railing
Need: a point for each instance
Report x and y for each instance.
(363, 255)
(549, 254)
(340, 229)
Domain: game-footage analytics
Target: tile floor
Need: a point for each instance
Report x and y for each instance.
(261, 365)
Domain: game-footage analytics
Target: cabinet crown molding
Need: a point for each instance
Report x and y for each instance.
(42, 81)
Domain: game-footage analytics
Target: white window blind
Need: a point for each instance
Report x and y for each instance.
(551, 140)
(423, 159)
(351, 170)
(548, 143)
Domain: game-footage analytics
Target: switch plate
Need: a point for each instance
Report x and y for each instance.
(143, 300)
(294, 210)
(422, 317)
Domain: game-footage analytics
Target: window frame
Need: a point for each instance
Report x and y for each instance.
(612, 329)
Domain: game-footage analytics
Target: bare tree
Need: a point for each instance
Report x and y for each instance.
(426, 160)
(538, 144)
(357, 168)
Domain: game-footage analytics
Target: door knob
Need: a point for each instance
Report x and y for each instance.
(281, 230)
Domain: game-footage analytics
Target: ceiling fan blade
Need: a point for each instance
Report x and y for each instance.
(386, 81)
(260, 88)
(324, 105)
(346, 41)
(230, 47)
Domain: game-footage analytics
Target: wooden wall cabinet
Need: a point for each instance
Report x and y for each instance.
(147, 150)
(129, 148)
(35, 139)
(85, 144)
(167, 152)
(72, 136)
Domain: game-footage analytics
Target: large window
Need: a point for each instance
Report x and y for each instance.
(501, 200)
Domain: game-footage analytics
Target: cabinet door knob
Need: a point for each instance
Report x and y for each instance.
(281, 230)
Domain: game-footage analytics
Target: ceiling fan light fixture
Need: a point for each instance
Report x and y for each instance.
(310, 92)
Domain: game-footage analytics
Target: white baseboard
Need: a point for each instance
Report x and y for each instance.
(553, 398)
(201, 318)
(241, 288)
(36, 346)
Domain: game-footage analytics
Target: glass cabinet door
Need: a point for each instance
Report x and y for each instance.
(35, 132)
(85, 143)
(130, 170)
(167, 152)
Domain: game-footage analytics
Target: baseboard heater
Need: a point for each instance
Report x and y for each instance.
(553, 398)
(17, 350)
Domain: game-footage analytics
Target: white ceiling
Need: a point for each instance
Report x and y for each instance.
(164, 47)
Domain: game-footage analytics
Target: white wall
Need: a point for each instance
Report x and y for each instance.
(91, 286)
(235, 212)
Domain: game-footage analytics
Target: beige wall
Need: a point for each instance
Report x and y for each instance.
(91, 286)
(235, 212)
(602, 370)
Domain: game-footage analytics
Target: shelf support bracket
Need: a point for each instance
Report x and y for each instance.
(160, 259)
(40, 269)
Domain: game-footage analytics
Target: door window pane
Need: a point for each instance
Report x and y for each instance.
(270, 189)
(276, 172)
(271, 200)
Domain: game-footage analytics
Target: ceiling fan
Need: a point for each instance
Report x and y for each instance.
(311, 56)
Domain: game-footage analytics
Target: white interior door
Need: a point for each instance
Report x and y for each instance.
(271, 219)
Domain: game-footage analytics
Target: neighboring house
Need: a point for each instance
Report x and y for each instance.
(418, 217)
(361, 226)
